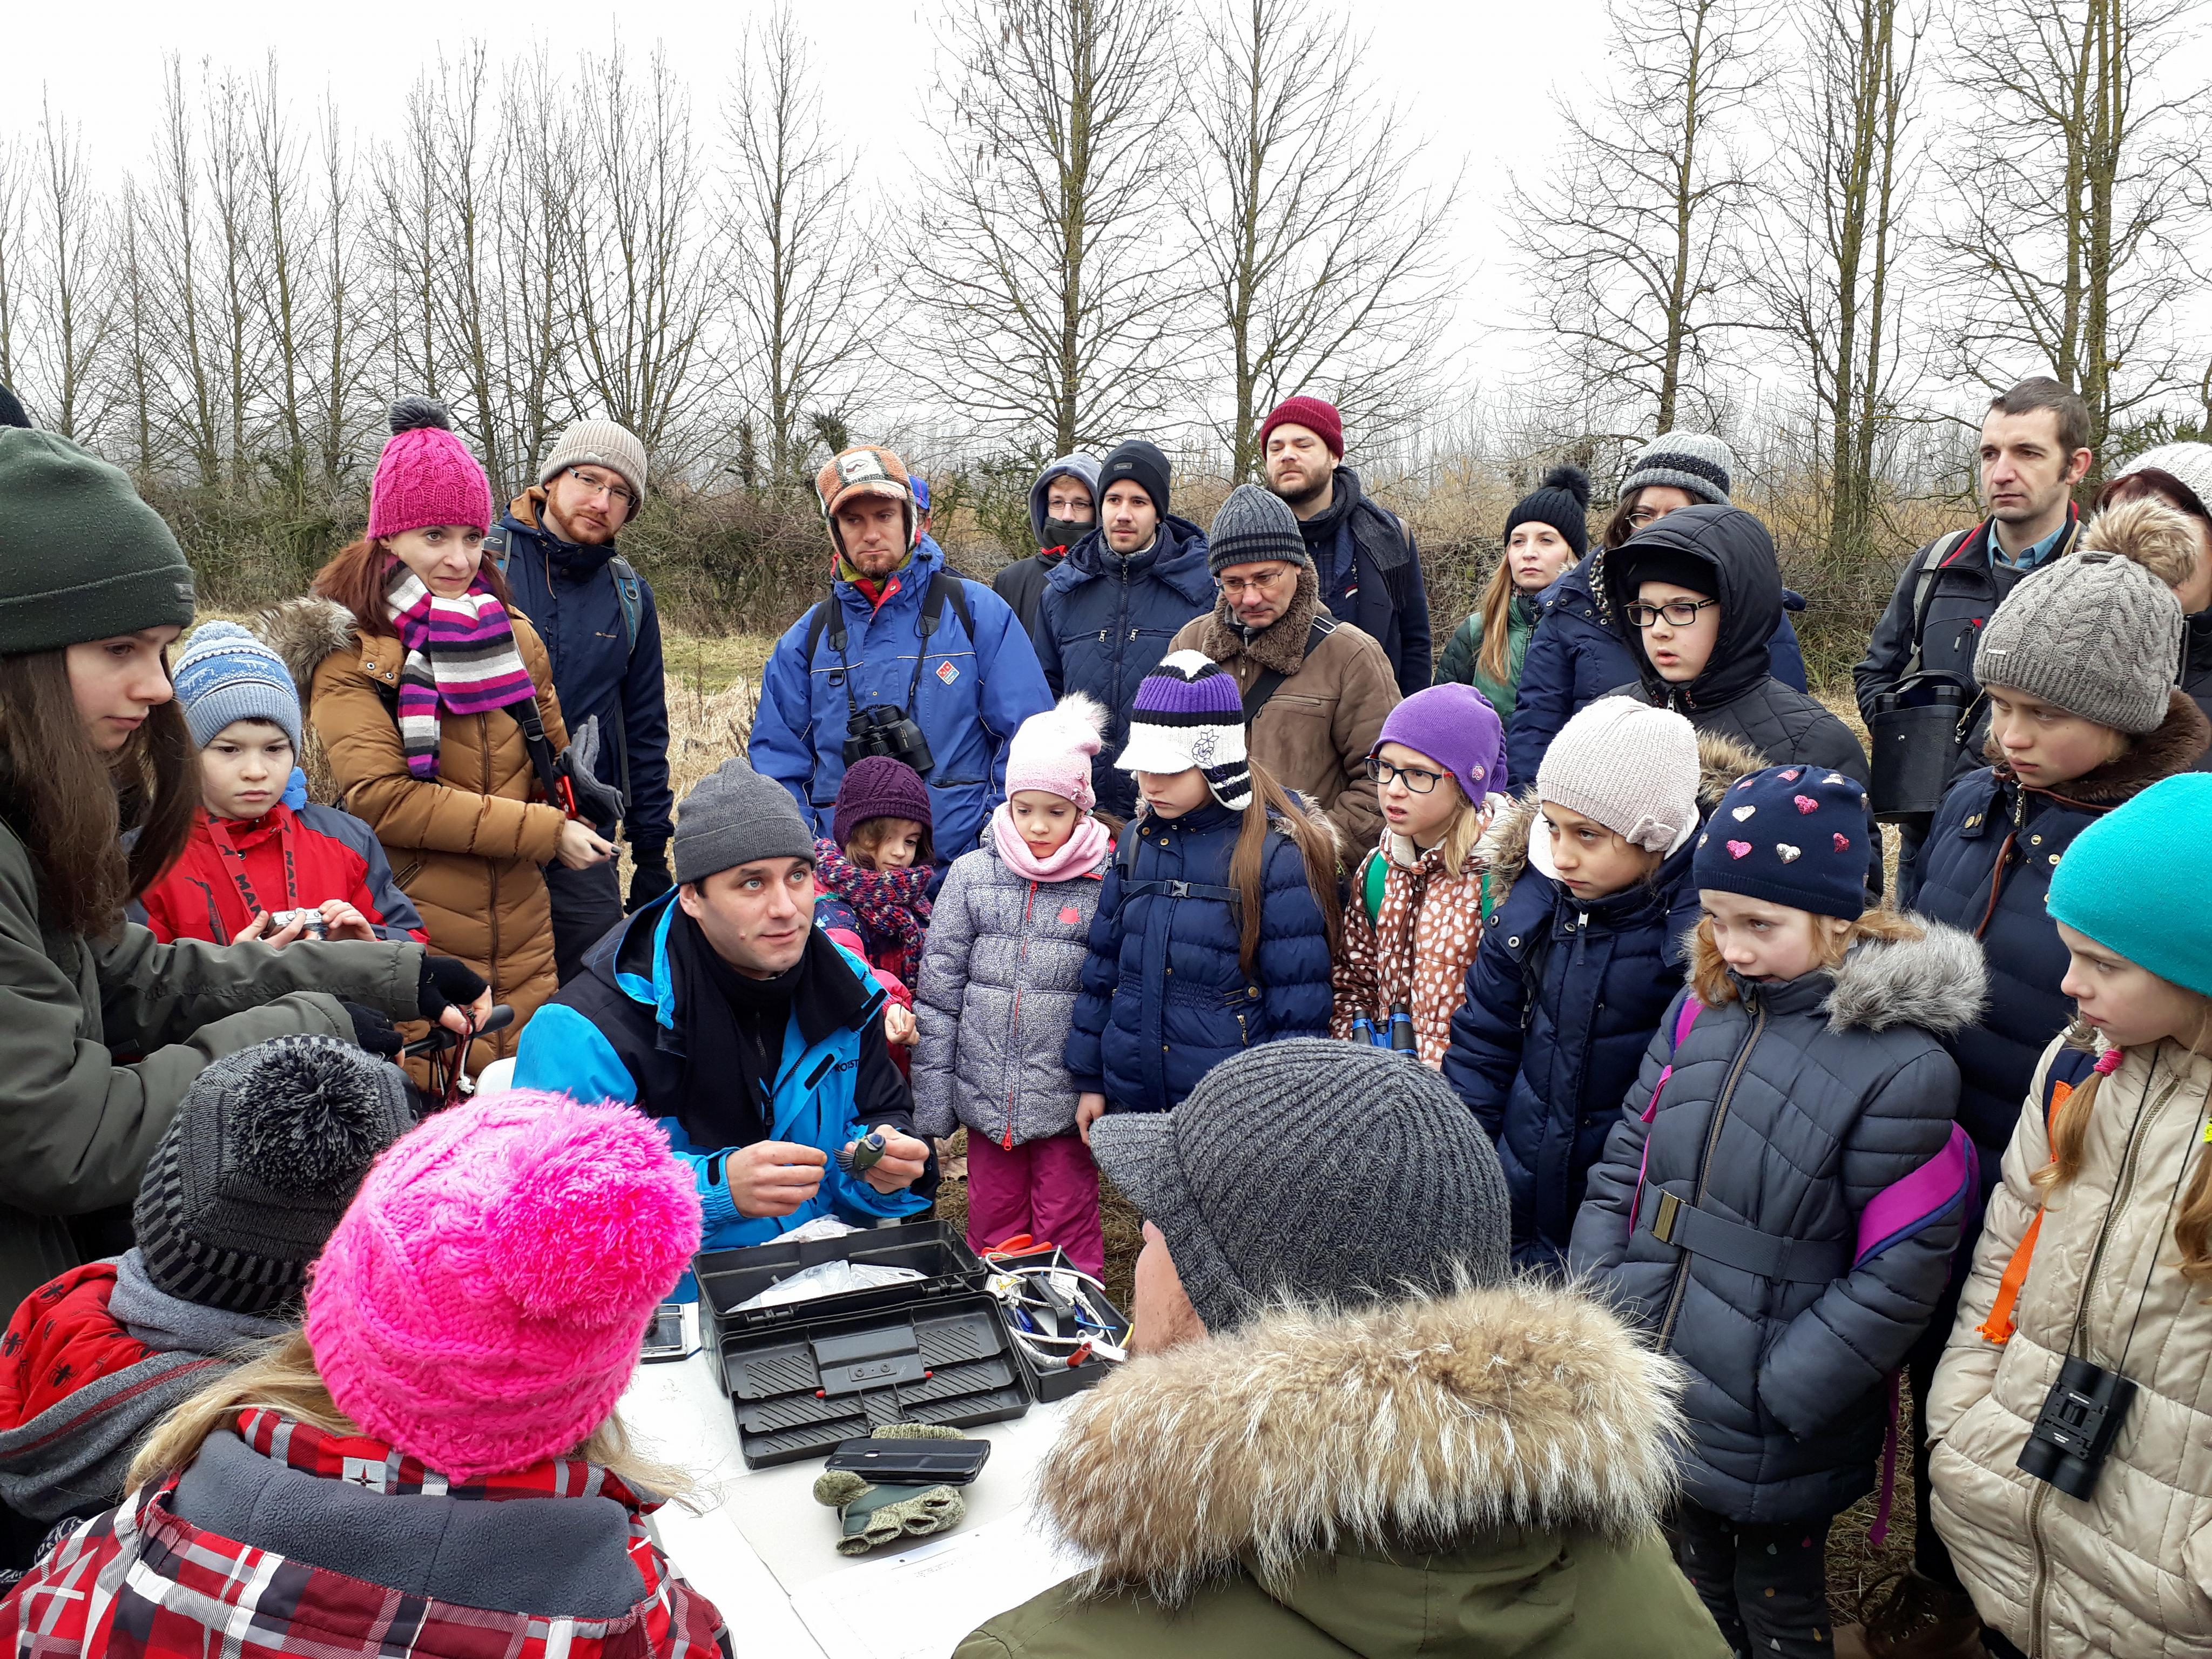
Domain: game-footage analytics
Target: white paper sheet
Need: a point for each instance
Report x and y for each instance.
(920, 1603)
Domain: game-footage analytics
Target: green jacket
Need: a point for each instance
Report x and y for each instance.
(1458, 662)
(76, 1125)
(1471, 1478)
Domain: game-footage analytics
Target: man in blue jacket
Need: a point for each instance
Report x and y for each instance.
(722, 1011)
(1111, 607)
(556, 546)
(903, 658)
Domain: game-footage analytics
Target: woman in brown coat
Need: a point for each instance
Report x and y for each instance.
(418, 681)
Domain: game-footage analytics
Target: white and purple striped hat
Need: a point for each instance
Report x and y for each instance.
(1189, 712)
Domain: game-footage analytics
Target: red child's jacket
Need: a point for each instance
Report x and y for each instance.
(332, 856)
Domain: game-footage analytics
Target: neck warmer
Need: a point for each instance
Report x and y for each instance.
(732, 1030)
(173, 1325)
(894, 904)
(461, 659)
(1079, 855)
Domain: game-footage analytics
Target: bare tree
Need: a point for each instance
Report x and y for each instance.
(175, 247)
(1322, 262)
(339, 353)
(14, 194)
(278, 165)
(72, 230)
(802, 304)
(139, 371)
(1046, 261)
(541, 203)
(1633, 247)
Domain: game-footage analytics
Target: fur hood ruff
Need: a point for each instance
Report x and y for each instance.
(1418, 1423)
(303, 632)
(1939, 982)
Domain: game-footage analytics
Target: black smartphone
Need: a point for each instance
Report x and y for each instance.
(664, 1337)
(913, 1462)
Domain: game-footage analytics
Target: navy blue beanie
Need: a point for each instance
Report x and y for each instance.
(1790, 835)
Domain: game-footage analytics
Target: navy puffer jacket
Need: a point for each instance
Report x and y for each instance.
(1163, 998)
(1788, 1110)
(1576, 655)
(1103, 622)
(1986, 868)
(1562, 999)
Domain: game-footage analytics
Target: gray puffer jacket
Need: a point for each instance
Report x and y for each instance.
(1000, 970)
(1789, 1110)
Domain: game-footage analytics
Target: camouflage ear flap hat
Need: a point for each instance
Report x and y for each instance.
(867, 470)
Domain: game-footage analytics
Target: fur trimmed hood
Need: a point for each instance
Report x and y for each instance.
(303, 632)
(1418, 1422)
(1281, 645)
(1939, 982)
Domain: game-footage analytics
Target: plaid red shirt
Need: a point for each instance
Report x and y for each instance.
(139, 1582)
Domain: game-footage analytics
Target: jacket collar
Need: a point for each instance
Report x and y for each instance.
(1175, 559)
(1279, 647)
(1938, 982)
(1421, 1422)
(913, 580)
(832, 995)
(2196, 642)
(1745, 579)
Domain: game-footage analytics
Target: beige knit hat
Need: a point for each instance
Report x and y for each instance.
(2094, 633)
(599, 443)
(1631, 767)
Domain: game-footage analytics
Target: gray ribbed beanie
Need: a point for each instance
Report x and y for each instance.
(1412, 1199)
(2188, 464)
(1694, 461)
(599, 443)
(1631, 767)
(733, 816)
(1254, 525)
(2094, 633)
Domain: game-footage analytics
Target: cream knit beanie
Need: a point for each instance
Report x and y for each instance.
(1631, 767)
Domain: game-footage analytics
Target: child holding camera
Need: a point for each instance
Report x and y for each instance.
(872, 881)
(2088, 1296)
(1779, 1200)
(256, 866)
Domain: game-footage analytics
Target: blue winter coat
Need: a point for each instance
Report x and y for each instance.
(1105, 623)
(972, 694)
(569, 595)
(1562, 999)
(1990, 831)
(612, 1035)
(1574, 657)
(1163, 998)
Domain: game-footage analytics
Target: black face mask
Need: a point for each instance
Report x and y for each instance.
(1065, 532)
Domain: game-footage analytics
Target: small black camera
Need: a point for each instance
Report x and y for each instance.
(887, 729)
(2075, 1430)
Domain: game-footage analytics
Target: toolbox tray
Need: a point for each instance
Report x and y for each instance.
(1052, 1383)
(930, 1248)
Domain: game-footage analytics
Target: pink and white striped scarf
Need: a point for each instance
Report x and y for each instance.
(461, 659)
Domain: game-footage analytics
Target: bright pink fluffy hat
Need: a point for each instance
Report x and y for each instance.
(1052, 751)
(481, 1304)
(426, 475)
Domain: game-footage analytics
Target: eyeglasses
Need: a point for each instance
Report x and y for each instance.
(1678, 613)
(1643, 516)
(1413, 777)
(593, 484)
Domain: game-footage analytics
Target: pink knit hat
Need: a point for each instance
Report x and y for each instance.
(426, 475)
(1052, 751)
(481, 1304)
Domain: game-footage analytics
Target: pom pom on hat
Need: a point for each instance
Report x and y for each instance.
(1052, 751)
(2157, 536)
(1572, 479)
(420, 415)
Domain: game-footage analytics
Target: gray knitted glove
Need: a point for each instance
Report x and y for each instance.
(874, 1515)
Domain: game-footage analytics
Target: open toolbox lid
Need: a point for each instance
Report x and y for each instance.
(930, 1248)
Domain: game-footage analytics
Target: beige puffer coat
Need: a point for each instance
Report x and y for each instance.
(2128, 1574)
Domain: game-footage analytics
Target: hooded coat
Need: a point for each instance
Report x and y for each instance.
(1481, 1475)
(1103, 622)
(1577, 654)
(467, 847)
(1560, 1004)
(1021, 584)
(1787, 1111)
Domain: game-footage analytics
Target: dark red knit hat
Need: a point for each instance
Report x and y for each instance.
(1312, 414)
(877, 786)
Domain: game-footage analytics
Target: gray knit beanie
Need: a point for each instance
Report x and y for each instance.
(599, 443)
(258, 1165)
(1254, 526)
(1414, 1199)
(2094, 633)
(734, 817)
(1694, 461)
(2190, 465)
(1631, 767)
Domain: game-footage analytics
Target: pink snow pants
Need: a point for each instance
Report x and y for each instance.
(1047, 1189)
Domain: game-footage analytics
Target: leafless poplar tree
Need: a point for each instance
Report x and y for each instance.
(175, 247)
(71, 223)
(14, 191)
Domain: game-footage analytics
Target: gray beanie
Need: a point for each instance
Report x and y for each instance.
(1254, 526)
(2094, 633)
(733, 816)
(259, 1165)
(2188, 463)
(1694, 461)
(1411, 1199)
(1630, 767)
(599, 443)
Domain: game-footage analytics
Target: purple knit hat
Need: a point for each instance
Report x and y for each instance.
(1189, 712)
(426, 475)
(1455, 726)
(877, 786)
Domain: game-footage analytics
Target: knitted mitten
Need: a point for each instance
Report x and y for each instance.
(874, 1515)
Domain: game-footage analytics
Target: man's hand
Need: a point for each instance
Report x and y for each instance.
(903, 1160)
(773, 1177)
(899, 1027)
(1088, 1110)
(341, 920)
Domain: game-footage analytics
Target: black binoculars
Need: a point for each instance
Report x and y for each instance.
(2075, 1430)
(887, 729)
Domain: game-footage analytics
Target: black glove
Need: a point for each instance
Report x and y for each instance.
(375, 1034)
(648, 878)
(447, 983)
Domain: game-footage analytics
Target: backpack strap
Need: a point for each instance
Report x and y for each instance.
(1374, 877)
(630, 590)
(496, 547)
(1270, 681)
(1684, 1017)
(2067, 1072)
(1939, 1189)
(1930, 566)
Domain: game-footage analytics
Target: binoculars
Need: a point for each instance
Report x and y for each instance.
(2075, 1430)
(1397, 1035)
(884, 728)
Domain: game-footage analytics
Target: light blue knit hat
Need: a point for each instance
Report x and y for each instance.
(225, 674)
(2132, 881)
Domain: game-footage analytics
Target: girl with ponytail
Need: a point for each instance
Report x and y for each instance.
(2097, 1248)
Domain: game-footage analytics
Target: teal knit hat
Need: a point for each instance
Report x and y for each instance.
(81, 556)
(2131, 881)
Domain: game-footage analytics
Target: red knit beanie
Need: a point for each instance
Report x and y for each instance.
(1317, 417)
(426, 475)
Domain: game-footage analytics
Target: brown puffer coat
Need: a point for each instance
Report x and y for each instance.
(467, 847)
(1314, 732)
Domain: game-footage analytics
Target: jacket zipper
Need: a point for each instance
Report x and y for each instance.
(1014, 1035)
(1705, 1162)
